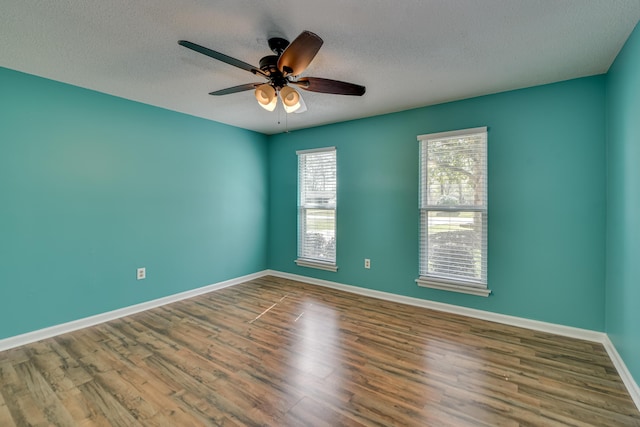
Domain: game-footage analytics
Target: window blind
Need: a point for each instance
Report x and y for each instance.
(453, 207)
(317, 203)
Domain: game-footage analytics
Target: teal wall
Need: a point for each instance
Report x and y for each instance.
(546, 200)
(93, 186)
(623, 204)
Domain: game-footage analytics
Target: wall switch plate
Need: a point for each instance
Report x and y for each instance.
(367, 263)
(142, 273)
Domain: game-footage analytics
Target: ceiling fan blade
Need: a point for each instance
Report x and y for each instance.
(318, 84)
(235, 89)
(299, 54)
(220, 57)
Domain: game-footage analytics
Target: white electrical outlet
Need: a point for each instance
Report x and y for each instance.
(367, 263)
(142, 273)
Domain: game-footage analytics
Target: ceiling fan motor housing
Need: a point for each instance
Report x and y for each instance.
(269, 65)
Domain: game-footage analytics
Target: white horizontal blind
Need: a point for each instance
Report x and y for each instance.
(453, 207)
(317, 188)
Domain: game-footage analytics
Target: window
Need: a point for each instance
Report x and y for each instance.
(317, 182)
(453, 211)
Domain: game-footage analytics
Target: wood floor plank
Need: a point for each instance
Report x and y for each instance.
(46, 400)
(276, 352)
(106, 407)
(60, 370)
(5, 415)
(315, 413)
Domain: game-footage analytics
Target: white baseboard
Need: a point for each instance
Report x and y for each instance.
(624, 373)
(74, 325)
(536, 325)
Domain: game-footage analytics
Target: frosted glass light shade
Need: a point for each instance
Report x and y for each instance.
(266, 96)
(290, 99)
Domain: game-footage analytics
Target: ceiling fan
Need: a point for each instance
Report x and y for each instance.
(282, 70)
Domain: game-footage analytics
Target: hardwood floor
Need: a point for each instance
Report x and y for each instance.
(275, 352)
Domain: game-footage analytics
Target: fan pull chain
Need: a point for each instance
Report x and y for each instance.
(286, 118)
(278, 108)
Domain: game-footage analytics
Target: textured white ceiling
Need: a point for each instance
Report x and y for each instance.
(408, 53)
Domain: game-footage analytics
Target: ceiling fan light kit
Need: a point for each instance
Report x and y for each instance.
(267, 97)
(280, 70)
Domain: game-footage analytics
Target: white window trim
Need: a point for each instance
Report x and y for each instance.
(453, 286)
(301, 262)
(315, 150)
(461, 286)
(312, 263)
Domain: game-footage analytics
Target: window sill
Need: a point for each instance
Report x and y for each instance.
(316, 264)
(428, 282)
